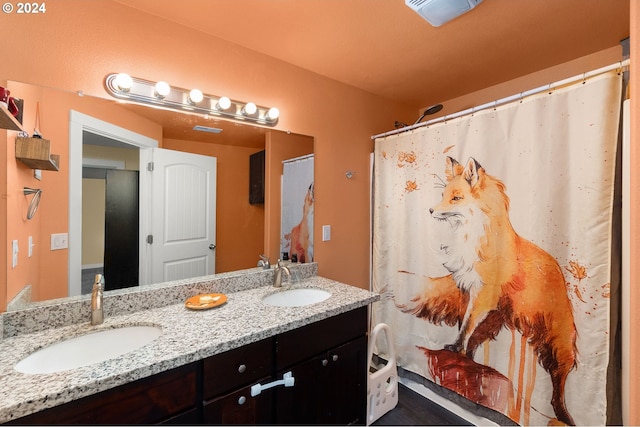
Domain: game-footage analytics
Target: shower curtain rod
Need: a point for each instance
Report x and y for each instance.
(502, 101)
(297, 159)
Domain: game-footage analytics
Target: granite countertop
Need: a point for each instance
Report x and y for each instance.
(187, 336)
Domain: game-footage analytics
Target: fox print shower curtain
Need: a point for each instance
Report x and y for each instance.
(296, 234)
(491, 250)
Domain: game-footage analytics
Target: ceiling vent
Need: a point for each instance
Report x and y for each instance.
(207, 129)
(438, 12)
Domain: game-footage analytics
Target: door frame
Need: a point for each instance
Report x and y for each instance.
(78, 123)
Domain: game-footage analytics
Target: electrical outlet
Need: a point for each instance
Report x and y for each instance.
(30, 246)
(59, 241)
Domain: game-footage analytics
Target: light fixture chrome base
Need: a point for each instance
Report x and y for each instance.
(144, 92)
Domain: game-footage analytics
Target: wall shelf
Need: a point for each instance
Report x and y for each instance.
(7, 121)
(35, 153)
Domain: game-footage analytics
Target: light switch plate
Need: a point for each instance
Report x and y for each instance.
(30, 246)
(59, 241)
(14, 251)
(326, 233)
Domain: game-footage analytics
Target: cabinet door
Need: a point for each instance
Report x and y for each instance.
(240, 408)
(316, 338)
(347, 383)
(150, 400)
(329, 388)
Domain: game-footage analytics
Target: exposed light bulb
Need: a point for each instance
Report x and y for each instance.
(272, 115)
(123, 81)
(223, 103)
(162, 89)
(249, 109)
(195, 96)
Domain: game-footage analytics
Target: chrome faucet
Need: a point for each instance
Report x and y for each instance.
(264, 262)
(277, 277)
(97, 314)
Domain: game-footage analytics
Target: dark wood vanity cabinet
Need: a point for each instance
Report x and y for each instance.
(239, 407)
(327, 360)
(227, 381)
(168, 397)
(330, 388)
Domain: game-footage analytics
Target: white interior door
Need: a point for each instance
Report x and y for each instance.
(178, 221)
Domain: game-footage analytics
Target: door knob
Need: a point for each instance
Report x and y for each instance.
(212, 246)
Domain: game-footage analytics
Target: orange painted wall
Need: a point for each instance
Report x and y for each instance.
(18, 227)
(47, 269)
(239, 225)
(84, 41)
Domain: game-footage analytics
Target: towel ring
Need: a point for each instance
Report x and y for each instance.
(35, 201)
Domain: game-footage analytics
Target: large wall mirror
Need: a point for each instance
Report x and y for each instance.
(111, 165)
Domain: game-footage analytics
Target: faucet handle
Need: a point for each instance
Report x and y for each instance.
(264, 262)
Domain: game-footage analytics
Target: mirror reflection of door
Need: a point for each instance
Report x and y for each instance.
(109, 236)
(180, 191)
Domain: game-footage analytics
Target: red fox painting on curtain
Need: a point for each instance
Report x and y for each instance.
(301, 236)
(493, 252)
(498, 279)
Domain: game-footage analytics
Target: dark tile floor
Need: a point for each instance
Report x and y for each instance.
(414, 409)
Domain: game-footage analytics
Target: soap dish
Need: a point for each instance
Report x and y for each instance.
(205, 301)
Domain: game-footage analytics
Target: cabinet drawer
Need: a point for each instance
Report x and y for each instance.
(308, 341)
(238, 407)
(238, 367)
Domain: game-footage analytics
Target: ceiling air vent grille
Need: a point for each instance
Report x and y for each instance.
(207, 129)
(438, 12)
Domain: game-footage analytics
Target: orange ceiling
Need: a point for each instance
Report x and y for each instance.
(383, 47)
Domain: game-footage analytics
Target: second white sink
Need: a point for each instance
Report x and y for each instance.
(296, 297)
(87, 349)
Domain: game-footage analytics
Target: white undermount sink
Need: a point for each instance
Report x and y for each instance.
(87, 349)
(296, 297)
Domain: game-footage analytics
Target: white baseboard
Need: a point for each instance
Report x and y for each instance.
(445, 403)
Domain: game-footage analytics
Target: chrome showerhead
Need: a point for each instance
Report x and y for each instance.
(429, 111)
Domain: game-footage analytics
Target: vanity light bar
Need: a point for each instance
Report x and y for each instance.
(160, 94)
